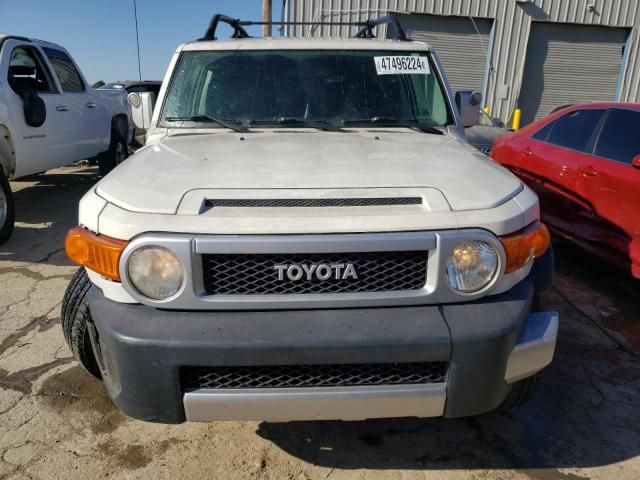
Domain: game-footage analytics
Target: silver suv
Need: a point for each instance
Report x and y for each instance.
(308, 235)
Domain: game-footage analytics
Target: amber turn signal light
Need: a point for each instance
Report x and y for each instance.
(96, 252)
(525, 245)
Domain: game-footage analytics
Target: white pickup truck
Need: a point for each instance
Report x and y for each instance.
(50, 117)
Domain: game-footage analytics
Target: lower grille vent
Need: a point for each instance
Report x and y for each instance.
(296, 376)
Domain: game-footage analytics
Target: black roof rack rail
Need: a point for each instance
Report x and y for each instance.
(235, 23)
(395, 33)
(365, 31)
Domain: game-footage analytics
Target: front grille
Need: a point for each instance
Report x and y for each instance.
(298, 376)
(310, 202)
(255, 274)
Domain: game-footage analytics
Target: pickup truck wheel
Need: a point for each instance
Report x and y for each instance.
(116, 154)
(76, 317)
(7, 213)
(521, 392)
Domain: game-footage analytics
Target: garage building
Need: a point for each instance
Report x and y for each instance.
(535, 55)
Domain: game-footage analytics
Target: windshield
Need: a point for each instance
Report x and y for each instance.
(335, 87)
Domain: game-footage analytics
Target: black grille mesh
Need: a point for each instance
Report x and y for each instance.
(310, 202)
(291, 376)
(254, 274)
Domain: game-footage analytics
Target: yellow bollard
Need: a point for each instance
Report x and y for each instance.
(517, 115)
(487, 110)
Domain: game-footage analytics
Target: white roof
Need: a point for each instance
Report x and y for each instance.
(36, 41)
(289, 43)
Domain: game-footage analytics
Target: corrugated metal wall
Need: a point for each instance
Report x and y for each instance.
(512, 26)
(462, 45)
(562, 57)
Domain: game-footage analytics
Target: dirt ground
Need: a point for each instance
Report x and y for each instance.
(57, 422)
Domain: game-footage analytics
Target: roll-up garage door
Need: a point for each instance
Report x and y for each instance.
(568, 64)
(462, 45)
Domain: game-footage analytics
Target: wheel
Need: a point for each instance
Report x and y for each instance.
(7, 213)
(521, 392)
(116, 154)
(76, 317)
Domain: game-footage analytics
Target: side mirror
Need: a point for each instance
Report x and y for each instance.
(468, 103)
(35, 110)
(26, 87)
(134, 99)
(636, 161)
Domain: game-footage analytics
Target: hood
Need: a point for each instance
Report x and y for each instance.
(160, 175)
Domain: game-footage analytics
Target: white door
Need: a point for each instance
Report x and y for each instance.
(37, 148)
(84, 129)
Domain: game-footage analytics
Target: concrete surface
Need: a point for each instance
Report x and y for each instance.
(57, 422)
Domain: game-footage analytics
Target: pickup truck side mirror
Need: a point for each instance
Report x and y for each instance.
(636, 161)
(35, 110)
(22, 82)
(468, 103)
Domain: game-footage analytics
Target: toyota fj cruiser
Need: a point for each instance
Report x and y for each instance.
(308, 235)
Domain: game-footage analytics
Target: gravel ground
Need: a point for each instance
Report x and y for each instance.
(57, 422)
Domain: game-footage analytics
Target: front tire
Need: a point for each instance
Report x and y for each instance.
(521, 392)
(117, 153)
(7, 209)
(76, 317)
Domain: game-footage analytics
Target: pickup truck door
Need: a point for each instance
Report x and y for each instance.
(84, 126)
(37, 148)
(612, 185)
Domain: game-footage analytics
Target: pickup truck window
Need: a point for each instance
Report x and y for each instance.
(338, 87)
(28, 71)
(65, 69)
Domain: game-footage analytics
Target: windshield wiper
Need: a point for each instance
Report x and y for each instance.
(319, 124)
(230, 124)
(423, 127)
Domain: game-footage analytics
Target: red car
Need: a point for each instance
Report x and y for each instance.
(584, 163)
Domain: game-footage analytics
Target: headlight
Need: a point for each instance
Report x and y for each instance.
(155, 272)
(471, 266)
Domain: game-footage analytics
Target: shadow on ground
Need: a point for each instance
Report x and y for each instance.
(46, 207)
(586, 412)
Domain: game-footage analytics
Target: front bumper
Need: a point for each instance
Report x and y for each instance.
(486, 344)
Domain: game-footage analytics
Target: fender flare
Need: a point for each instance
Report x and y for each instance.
(7, 152)
(543, 270)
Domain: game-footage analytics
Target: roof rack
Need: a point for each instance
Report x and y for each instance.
(365, 31)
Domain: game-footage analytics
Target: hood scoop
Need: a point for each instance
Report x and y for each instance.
(310, 202)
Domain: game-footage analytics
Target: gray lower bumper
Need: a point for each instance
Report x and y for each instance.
(532, 353)
(322, 403)
(487, 344)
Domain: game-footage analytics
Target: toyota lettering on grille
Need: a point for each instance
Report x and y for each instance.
(316, 271)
